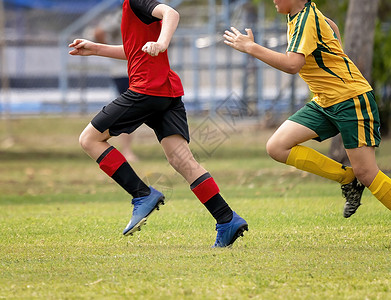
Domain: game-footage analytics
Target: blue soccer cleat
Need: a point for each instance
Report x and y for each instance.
(143, 207)
(227, 233)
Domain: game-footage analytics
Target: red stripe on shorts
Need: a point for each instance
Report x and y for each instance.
(206, 190)
(111, 162)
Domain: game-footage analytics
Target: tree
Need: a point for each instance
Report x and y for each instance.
(381, 75)
(360, 34)
(358, 45)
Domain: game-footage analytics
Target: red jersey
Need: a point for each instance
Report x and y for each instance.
(149, 75)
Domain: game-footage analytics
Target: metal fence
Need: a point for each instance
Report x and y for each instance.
(39, 76)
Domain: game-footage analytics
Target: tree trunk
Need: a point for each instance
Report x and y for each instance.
(359, 40)
(360, 34)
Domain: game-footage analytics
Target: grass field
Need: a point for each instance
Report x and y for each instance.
(61, 222)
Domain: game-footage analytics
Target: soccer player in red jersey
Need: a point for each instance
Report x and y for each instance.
(154, 98)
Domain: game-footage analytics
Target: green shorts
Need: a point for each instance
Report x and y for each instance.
(357, 119)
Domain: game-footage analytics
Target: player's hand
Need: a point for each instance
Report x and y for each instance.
(237, 40)
(82, 47)
(154, 48)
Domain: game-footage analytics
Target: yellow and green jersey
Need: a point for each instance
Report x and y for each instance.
(328, 71)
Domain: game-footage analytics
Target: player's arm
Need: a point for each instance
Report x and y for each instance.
(289, 62)
(335, 29)
(84, 47)
(170, 19)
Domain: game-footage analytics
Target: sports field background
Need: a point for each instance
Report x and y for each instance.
(61, 222)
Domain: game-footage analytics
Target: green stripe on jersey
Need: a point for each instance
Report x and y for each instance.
(347, 65)
(295, 32)
(319, 60)
(318, 31)
(300, 34)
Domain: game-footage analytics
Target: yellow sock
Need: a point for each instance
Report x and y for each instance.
(381, 189)
(309, 160)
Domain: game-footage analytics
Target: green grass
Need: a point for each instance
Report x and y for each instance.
(61, 221)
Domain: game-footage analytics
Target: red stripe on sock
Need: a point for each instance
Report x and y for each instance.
(112, 161)
(206, 190)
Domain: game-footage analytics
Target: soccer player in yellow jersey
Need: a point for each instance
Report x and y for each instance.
(343, 103)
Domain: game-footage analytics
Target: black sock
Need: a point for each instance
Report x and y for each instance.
(207, 191)
(114, 164)
(219, 209)
(128, 179)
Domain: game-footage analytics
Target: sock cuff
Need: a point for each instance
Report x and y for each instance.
(200, 180)
(378, 182)
(206, 189)
(110, 160)
(292, 155)
(381, 189)
(102, 156)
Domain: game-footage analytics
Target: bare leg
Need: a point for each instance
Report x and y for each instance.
(126, 147)
(284, 147)
(288, 135)
(93, 142)
(364, 164)
(112, 162)
(366, 170)
(206, 190)
(181, 159)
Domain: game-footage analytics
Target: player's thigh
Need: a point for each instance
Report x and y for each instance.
(93, 141)
(90, 135)
(176, 149)
(310, 122)
(290, 134)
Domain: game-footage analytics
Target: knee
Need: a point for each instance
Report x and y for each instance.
(83, 140)
(270, 148)
(364, 174)
(86, 141)
(275, 151)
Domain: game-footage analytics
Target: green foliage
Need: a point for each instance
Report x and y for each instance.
(335, 10)
(384, 12)
(382, 57)
(381, 74)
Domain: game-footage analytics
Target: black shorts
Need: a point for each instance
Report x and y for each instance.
(165, 115)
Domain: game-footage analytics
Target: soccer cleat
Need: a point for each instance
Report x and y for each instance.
(227, 233)
(143, 207)
(352, 192)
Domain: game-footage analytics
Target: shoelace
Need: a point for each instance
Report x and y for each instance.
(136, 205)
(220, 233)
(218, 238)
